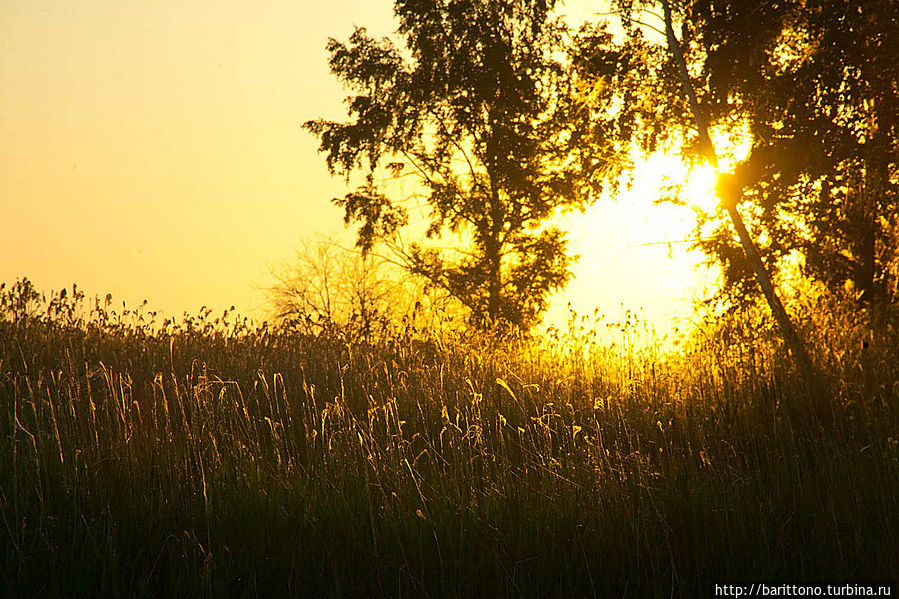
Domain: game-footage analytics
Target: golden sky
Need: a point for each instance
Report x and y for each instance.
(153, 150)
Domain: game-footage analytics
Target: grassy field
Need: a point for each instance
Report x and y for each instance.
(209, 458)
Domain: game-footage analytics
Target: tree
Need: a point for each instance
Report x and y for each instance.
(482, 106)
(685, 108)
(328, 286)
(815, 81)
(730, 199)
(824, 108)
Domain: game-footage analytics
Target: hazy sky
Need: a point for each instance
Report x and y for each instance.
(153, 150)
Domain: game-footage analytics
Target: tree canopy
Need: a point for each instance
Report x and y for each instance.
(505, 116)
(482, 105)
(816, 83)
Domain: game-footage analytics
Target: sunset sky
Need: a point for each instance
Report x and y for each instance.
(153, 150)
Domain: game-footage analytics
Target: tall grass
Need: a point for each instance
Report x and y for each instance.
(212, 457)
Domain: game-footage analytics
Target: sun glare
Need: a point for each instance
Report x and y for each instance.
(699, 188)
(634, 249)
(698, 181)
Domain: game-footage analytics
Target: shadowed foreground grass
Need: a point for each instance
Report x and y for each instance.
(206, 458)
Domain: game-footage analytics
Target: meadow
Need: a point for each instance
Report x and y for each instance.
(212, 457)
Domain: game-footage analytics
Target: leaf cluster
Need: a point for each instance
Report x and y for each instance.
(816, 82)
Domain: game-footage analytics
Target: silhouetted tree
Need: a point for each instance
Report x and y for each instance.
(671, 103)
(817, 83)
(483, 106)
(823, 106)
(328, 286)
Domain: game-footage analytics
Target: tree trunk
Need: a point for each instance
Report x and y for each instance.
(794, 343)
(494, 283)
(875, 183)
(493, 254)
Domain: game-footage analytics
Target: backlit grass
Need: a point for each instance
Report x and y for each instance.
(212, 457)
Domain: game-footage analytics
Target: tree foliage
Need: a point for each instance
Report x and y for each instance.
(815, 82)
(484, 107)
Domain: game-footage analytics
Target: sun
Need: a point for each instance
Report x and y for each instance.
(699, 188)
(697, 182)
(635, 248)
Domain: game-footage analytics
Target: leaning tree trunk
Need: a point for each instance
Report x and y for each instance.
(794, 343)
(876, 155)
